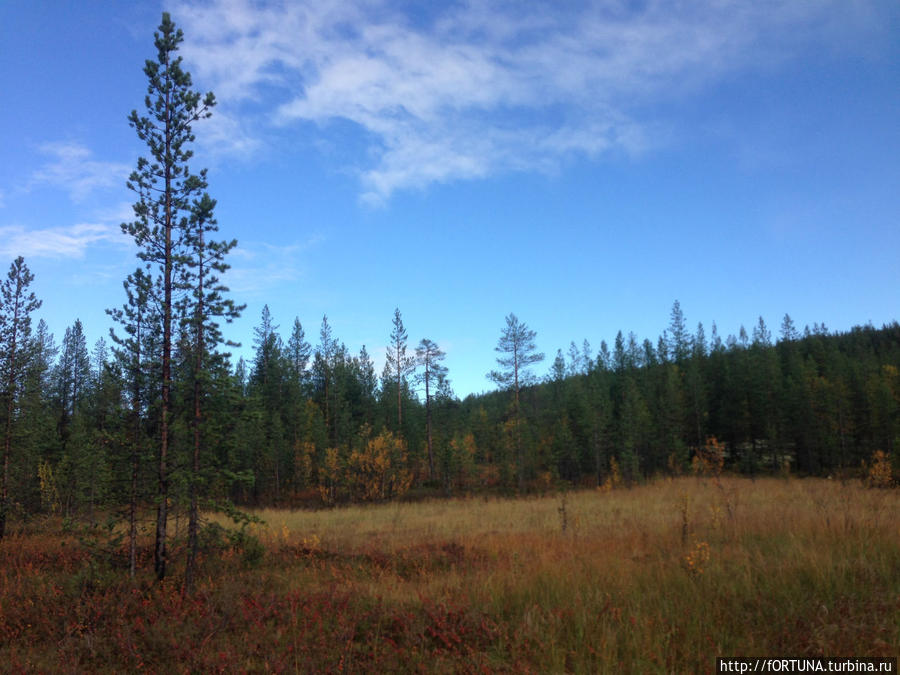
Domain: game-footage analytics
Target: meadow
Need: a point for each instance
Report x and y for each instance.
(661, 577)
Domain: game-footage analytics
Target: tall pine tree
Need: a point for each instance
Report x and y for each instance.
(520, 353)
(165, 189)
(429, 357)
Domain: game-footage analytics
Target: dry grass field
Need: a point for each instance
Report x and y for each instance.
(658, 578)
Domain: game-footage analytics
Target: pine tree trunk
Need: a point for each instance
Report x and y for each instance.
(428, 427)
(132, 513)
(194, 516)
(7, 448)
(520, 454)
(7, 436)
(399, 395)
(162, 512)
(135, 453)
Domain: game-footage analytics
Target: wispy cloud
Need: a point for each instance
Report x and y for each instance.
(226, 134)
(73, 169)
(449, 91)
(57, 242)
(258, 267)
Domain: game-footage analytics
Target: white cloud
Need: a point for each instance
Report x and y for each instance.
(122, 212)
(224, 134)
(488, 85)
(258, 267)
(73, 170)
(57, 242)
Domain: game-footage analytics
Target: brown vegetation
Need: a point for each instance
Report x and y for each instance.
(658, 578)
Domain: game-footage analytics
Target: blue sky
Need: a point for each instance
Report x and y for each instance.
(582, 164)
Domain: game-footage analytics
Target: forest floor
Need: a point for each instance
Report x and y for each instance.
(662, 577)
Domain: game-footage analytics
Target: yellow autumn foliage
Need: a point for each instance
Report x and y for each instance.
(330, 476)
(379, 470)
(879, 473)
(710, 459)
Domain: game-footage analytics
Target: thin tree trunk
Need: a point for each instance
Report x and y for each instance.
(7, 448)
(91, 494)
(520, 455)
(135, 452)
(7, 436)
(327, 427)
(162, 511)
(399, 395)
(428, 426)
(194, 517)
(132, 513)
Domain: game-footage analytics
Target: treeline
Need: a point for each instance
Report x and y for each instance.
(306, 424)
(814, 402)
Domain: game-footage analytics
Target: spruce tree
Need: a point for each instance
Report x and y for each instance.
(323, 373)
(16, 305)
(267, 389)
(399, 364)
(134, 354)
(298, 353)
(680, 338)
